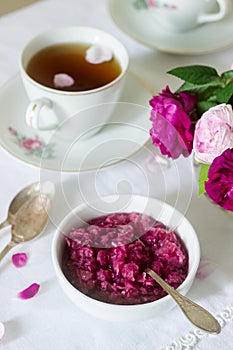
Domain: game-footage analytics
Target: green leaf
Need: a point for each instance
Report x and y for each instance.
(231, 101)
(203, 177)
(227, 76)
(187, 87)
(204, 91)
(224, 95)
(140, 4)
(203, 106)
(197, 75)
(208, 94)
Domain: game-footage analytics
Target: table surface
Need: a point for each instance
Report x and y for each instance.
(12, 5)
(50, 320)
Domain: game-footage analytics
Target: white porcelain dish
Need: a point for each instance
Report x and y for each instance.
(125, 203)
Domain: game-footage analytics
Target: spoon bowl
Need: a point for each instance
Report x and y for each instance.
(31, 219)
(20, 198)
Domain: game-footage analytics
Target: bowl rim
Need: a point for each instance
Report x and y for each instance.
(184, 285)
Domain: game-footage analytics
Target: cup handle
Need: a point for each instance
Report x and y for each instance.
(212, 17)
(36, 120)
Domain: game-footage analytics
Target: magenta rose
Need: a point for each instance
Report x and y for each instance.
(213, 133)
(172, 129)
(219, 186)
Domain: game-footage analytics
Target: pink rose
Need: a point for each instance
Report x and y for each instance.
(31, 144)
(213, 133)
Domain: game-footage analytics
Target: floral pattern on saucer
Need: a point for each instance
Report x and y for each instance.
(145, 4)
(33, 146)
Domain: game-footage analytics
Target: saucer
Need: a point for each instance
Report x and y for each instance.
(206, 38)
(126, 132)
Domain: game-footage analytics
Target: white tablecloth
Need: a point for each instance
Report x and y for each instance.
(50, 321)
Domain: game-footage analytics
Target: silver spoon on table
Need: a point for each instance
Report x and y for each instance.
(29, 221)
(19, 199)
(196, 314)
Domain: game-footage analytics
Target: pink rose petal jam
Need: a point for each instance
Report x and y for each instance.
(106, 259)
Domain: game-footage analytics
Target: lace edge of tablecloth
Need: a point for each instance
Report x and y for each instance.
(191, 339)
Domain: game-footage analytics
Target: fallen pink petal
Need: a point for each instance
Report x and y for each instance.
(19, 259)
(98, 54)
(29, 292)
(62, 80)
(2, 330)
(206, 267)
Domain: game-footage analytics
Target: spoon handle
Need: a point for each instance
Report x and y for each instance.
(4, 224)
(6, 249)
(196, 314)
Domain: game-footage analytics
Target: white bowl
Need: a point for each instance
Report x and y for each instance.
(125, 203)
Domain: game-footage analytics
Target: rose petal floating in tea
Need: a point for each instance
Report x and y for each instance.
(19, 259)
(98, 54)
(29, 292)
(62, 80)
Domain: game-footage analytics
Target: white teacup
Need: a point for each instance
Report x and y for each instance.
(182, 15)
(48, 106)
